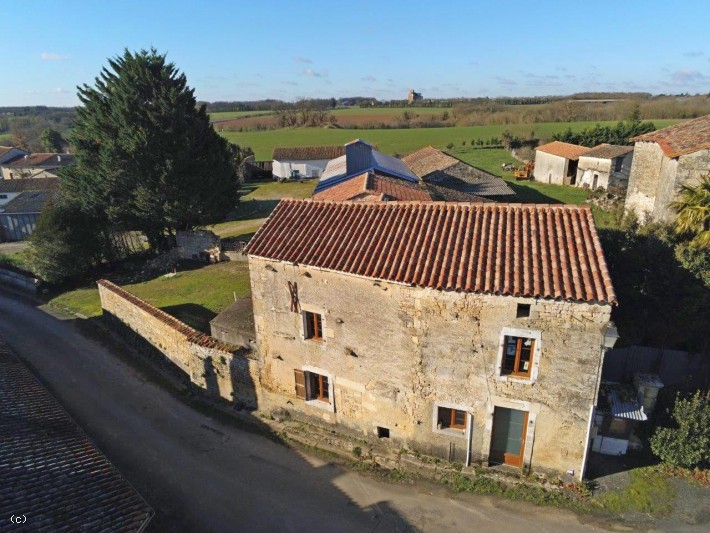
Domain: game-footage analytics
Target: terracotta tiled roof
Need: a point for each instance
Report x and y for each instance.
(304, 153)
(50, 470)
(531, 250)
(48, 160)
(29, 184)
(608, 151)
(684, 138)
(566, 150)
(373, 186)
(428, 160)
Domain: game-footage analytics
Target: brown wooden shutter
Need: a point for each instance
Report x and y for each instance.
(300, 383)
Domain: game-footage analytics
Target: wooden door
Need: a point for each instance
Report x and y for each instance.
(508, 436)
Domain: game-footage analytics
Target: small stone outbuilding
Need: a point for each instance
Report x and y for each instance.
(606, 166)
(664, 161)
(467, 331)
(556, 162)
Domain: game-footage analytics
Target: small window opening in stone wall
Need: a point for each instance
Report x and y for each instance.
(523, 311)
(383, 433)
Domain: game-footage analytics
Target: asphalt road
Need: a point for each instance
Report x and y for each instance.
(203, 474)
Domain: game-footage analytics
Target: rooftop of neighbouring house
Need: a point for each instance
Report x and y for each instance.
(29, 184)
(307, 153)
(360, 157)
(561, 149)
(44, 160)
(528, 250)
(684, 138)
(6, 150)
(608, 151)
(53, 473)
(28, 202)
(427, 160)
(373, 186)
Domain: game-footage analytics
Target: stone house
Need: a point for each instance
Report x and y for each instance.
(44, 165)
(468, 331)
(664, 161)
(556, 162)
(606, 166)
(303, 161)
(413, 96)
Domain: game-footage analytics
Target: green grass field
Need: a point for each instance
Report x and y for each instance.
(390, 111)
(400, 141)
(228, 115)
(5, 138)
(193, 296)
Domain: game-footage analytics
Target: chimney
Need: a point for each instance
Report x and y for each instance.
(647, 387)
(358, 156)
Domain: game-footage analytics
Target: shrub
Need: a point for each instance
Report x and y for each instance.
(687, 445)
(450, 146)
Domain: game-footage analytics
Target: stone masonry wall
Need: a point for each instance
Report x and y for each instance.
(221, 369)
(656, 179)
(196, 244)
(394, 353)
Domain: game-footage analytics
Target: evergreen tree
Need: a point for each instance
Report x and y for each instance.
(51, 140)
(148, 158)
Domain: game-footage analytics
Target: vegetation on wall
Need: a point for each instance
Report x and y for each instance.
(693, 208)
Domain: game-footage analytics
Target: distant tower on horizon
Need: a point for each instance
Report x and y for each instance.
(414, 96)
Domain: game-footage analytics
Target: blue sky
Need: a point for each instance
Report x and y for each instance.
(245, 50)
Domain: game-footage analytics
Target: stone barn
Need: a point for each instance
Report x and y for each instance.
(664, 161)
(467, 331)
(556, 162)
(606, 166)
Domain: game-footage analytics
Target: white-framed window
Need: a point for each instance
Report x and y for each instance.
(315, 386)
(451, 419)
(313, 326)
(518, 355)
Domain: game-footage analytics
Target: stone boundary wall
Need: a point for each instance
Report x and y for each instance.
(17, 280)
(221, 369)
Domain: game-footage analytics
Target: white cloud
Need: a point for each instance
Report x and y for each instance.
(369, 78)
(300, 59)
(59, 90)
(505, 81)
(52, 56)
(694, 53)
(315, 74)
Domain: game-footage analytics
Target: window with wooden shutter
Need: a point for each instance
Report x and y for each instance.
(300, 377)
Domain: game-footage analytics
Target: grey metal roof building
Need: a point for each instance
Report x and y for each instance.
(18, 217)
(50, 472)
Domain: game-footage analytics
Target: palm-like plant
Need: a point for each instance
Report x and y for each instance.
(693, 208)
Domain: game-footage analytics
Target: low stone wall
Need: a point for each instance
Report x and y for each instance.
(221, 369)
(18, 281)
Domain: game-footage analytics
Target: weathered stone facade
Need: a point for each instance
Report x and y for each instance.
(221, 369)
(596, 172)
(393, 354)
(656, 179)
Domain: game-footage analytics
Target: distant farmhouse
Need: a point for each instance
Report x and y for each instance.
(364, 173)
(605, 166)
(303, 161)
(10, 153)
(664, 161)
(448, 328)
(44, 165)
(414, 96)
(21, 202)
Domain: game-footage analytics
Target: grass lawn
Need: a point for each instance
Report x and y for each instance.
(401, 141)
(193, 296)
(257, 202)
(649, 491)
